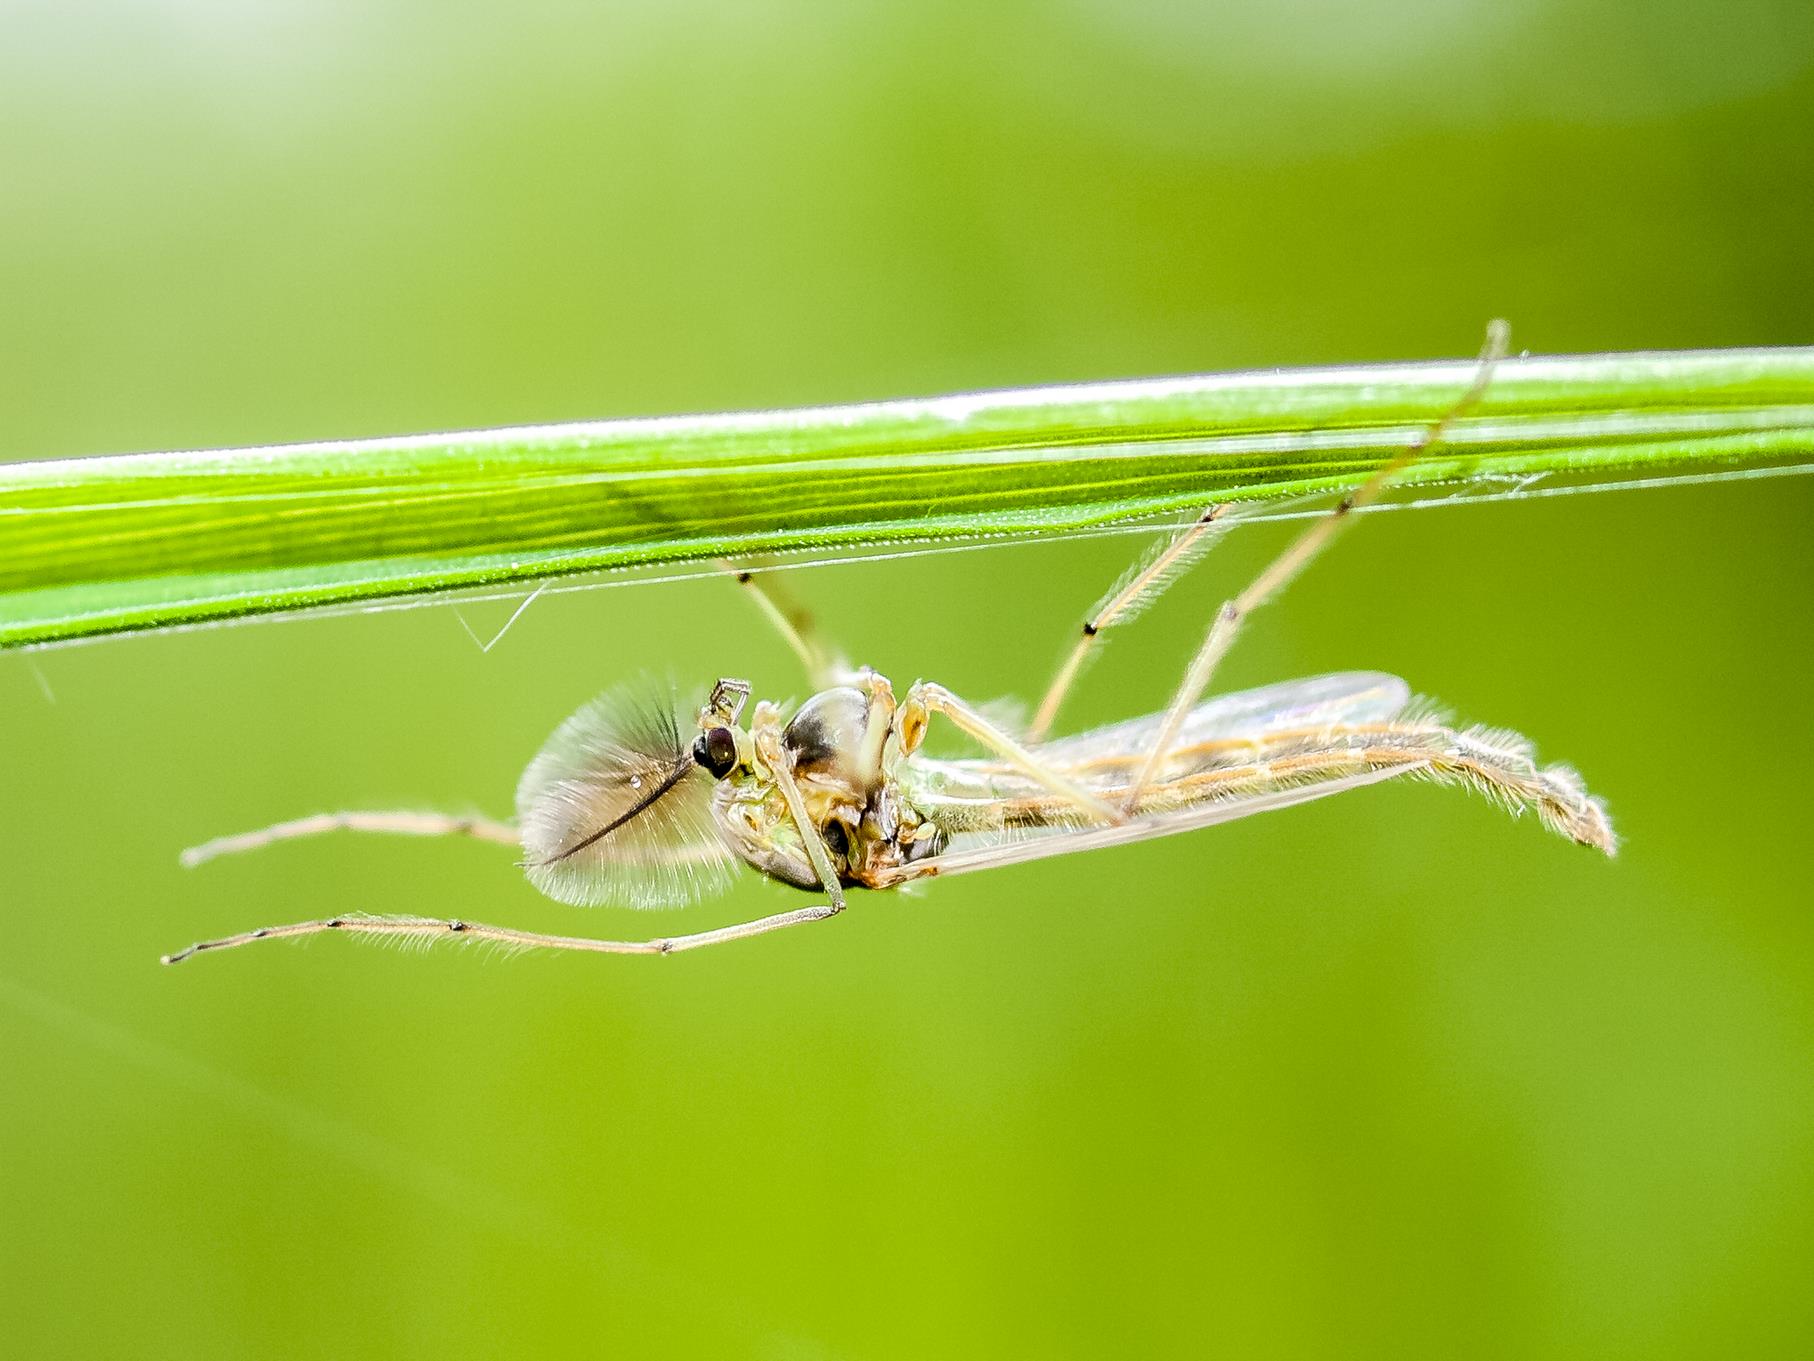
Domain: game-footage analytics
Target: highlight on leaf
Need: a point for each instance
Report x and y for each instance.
(97, 546)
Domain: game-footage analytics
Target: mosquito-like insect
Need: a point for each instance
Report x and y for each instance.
(621, 807)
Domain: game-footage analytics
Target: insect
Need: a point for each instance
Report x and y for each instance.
(621, 806)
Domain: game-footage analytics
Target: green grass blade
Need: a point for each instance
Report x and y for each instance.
(105, 545)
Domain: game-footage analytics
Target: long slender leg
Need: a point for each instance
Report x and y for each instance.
(1138, 589)
(1297, 556)
(768, 739)
(430, 927)
(792, 621)
(766, 733)
(925, 699)
(398, 823)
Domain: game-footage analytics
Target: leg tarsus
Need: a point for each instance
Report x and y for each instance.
(1125, 599)
(389, 821)
(430, 927)
(792, 621)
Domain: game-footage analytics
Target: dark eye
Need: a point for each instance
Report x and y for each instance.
(716, 751)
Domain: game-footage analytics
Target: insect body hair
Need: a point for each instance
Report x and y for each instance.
(1502, 765)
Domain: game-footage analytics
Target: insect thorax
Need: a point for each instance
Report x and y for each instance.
(868, 827)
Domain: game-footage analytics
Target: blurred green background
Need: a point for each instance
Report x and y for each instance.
(1389, 1075)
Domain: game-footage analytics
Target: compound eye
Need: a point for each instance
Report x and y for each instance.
(716, 751)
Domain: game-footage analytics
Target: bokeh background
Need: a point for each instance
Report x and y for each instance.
(1389, 1075)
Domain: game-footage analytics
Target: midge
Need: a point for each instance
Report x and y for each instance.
(622, 807)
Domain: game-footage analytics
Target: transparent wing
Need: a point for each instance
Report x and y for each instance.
(1344, 697)
(1227, 730)
(614, 810)
(1237, 755)
(988, 850)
